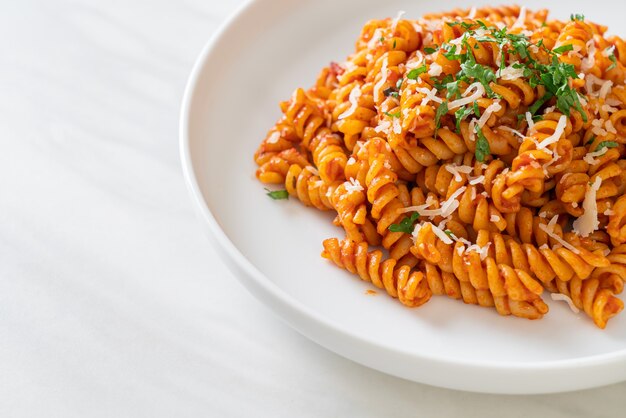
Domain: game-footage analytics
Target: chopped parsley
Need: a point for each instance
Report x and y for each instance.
(483, 74)
(593, 138)
(393, 115)
(441, 110)
(482, 146)
(450, 52)
(552, 74)
(415, 72)
(430, 50)
(460, 114)
(476, 109)
(607, 144)
(563, 48)
(391, 92)
(577, 17)
(449, 233)
(406, 225)
(613, 61)
(453, 89)
(277, 194)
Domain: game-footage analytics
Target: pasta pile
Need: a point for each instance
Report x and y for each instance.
(477, 154)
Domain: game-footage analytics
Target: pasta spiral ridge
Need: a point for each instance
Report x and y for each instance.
(399, 281)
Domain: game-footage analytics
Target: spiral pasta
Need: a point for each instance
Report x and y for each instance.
(477, 154)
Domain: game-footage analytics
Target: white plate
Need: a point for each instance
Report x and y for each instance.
(265, 51)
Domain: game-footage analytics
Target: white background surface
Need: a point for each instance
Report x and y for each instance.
(112, 302)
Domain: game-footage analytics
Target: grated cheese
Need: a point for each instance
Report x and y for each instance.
(396, 20)
(598, 127)
(558, 132)
(456, 170)
(378, 33)
(493, 107)
(383, 79)
(312, 169)
(354, 102)
(494, 218)
(435, 70)
(451, 204)
(397, 128)
(588, 62)
(589, 158)
(521, 19)
(549, 229)
(529, 121)
(383, 126)
(274, 137)
(442, 235)
(561, 296)
(609, 212)
(477, 180)
(430, 94)
(477, 91)
(472, 13)
(549, 110)
(588, 222)
(608, 51)
(609, 127)
(472, 132)
(608, 108)
(510, 72)
(353, 185)
(612, 102)
(604, 90)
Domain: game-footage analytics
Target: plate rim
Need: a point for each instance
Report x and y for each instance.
(282, 304)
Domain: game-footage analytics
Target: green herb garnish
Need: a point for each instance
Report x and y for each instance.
(460, 114)
(277, 194)
(393, 115)
(563, 48)
(390, 92)
(441, 110)
(606, 144)
(476, 109)
(406, 225)
(415, 72)
(482, 146)
(430, 50)
(613, 60)
(577, 17)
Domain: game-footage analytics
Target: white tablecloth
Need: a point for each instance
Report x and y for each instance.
(112, 302)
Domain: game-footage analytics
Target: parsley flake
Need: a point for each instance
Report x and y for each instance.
(415, 72)
(606, 144)
(563, 48)
(613, 60)
(406, 225)
(482, 146)
(393, 115)
(390, 92)
(441, 110)
(277, 194)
